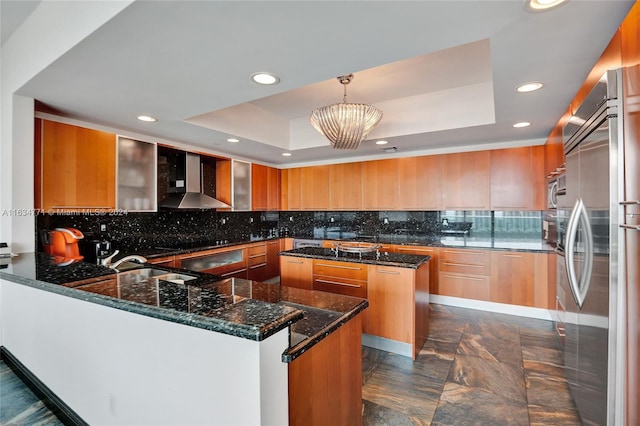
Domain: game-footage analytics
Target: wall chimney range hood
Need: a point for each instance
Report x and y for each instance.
(193, 198)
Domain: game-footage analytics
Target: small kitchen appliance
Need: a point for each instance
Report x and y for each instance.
(63, 243)
(95, 249)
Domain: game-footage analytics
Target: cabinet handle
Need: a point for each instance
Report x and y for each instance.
(465, 278)
(233, 272)
(512, 255)
(382, 271)
(295, 261)
(339, 266)
(414, 249)
(337, 283)
(634, 227)
(629, 203)
(463, 264)
(257, 255)
(260, 265)
(475, 253)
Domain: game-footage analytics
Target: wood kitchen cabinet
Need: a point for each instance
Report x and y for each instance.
(296, 272)
(466, 181)
(399, 304)
(517, 179)
(294, 189)
(273, 258)
(257, 262)
(380, 184)
(265, 187)
(465, 273)
(419, 185)
(78, 167)
(168, 261)
(346, 278)
(345, 184)
(433, 263)
(519, 278)
(314, 188)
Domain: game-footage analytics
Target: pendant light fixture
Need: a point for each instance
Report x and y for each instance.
(345, 124)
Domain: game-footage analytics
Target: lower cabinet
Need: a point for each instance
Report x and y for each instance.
(465, 273)
(346, 278)
(433, 263)
(257, 262)
(296, 272)
(273, 258)
(168, 261)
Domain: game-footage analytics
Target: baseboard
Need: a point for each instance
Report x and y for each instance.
(501, 308)
(387, 345)
(46, 395)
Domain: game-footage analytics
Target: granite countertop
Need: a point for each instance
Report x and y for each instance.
(237, 307)
(387, 259)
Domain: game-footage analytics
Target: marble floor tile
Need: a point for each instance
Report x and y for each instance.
(378, 415)
(499, 347)
(540, 354)
(544, 370)
(539, 339)
(370, 359)
(463, 405)
(540, 416)
(505, 380)
(549, 393)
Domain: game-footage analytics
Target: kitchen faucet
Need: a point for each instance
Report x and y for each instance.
(131, 258)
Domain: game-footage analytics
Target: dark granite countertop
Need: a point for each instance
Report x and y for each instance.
(237, 307)
(388, 259)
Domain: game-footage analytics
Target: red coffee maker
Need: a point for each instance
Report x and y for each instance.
(63, 244)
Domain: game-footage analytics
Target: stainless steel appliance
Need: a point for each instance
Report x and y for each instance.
(587, 244)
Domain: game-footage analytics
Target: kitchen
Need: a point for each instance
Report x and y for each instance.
(18, 199)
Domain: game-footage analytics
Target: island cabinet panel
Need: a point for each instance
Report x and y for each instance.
(465, 273)
(345, 182)
(257, 262)
(517, 179)
(296, 272)
(273, 259)
(379, 184)
(466, 181)
(433, 263)
(294, 188)
(340, 277)
(399, 304)
(314, 183)
(325, 383)
(78, 167)
(419, 183)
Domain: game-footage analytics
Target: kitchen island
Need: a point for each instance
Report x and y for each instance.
(395, 284)
(126, 351)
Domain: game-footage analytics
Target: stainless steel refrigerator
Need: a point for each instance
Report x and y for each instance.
(588, 264)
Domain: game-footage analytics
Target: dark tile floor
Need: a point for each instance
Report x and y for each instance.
(477, 368)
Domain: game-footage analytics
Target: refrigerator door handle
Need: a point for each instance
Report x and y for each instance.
(579, 288)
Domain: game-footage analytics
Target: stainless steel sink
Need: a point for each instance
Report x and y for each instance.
(146, 274)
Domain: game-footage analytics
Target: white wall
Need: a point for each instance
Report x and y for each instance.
(51, 30)
(117, 368)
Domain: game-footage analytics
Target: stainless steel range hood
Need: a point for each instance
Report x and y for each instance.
(193, 198)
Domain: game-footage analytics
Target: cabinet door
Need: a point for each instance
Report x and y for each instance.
(512, 278)
(465, 181)
(379, 184)
(465, 286)
(294, 189)
(257, 262)
(433, 263)
(136, 175)
(273, 259)
(78, 167)
(273, 188)
(419, 183)
(391, 302)
(241, 185)
(296, 272)
(258, 187)
(517, 179)
(345, 186)
(314, 183)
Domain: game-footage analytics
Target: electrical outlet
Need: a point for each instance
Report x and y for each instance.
(103, 227)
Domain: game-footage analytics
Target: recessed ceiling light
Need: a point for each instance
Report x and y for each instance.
(381, 142)
(542, 5)
(529, 87)
(146, 118)
(286, 154)
(233, 140)
(522, 124)
(264, 78)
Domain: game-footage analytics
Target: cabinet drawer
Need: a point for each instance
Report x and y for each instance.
(469, 287)
(344, 286)
(256, 250)
(354, 271)
(464, 268)
(467, 256)
(257, 259)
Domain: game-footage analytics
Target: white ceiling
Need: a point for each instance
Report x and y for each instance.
(443, 72)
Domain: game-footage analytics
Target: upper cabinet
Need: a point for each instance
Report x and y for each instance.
(517, 179)
(379, 184)
(136, 175)
(466, 180)
(265, 187)
(294, 188)
(419, 185)
(314, 190)
(345, 183)
(77, 167)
